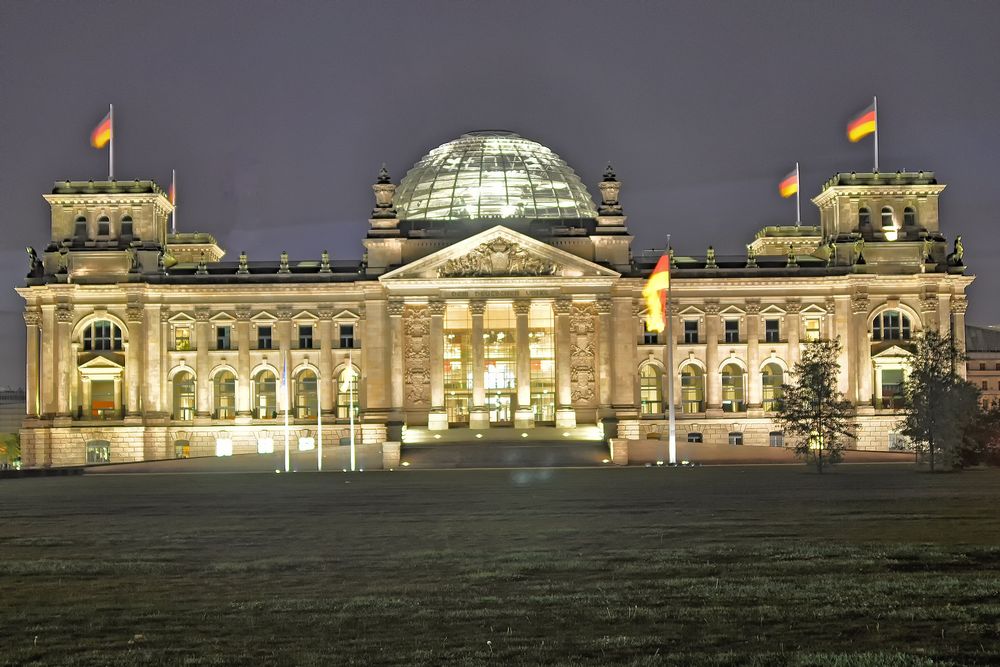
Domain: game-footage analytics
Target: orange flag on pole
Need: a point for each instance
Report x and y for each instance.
(655, 294)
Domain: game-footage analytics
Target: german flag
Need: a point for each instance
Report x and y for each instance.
(101, 135)
(172, 193)
(789, 184)
(862, 125)
(655, 294)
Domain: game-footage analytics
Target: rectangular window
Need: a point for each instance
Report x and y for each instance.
(899, 442)
(305, 336)
(347, 335)
(182, 338)
(776, 439)
(98, 451)
(694, 437)
(772, 331)
(982, 367)
(985, 383)
(812, 329)
(732, 331)
(126, 229)
(998, 367)
(649, 337)
(892, 388)
(735, 438)
(690, 331)
(223, 338)
(264, 338)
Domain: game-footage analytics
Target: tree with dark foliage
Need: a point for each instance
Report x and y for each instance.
(813, 410)
(939, 405)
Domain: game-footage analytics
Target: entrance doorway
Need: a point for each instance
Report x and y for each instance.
(501, 408)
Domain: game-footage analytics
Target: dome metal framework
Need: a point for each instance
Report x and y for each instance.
(492, 174)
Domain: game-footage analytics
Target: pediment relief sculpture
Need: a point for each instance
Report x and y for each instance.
(499, 257)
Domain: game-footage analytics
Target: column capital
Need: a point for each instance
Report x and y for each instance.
(712, 308)
(165, 315)
(831, 306)
(395, 308)
(477, 307)
(283, 312)
(522, 306)
(604, 306)
(64, 314)
(134, 314)
(562, 305)
(243, 314)
(437, 307)
(753, 307)
(959, 304)
(793, 307)
(201, 315)
(929, 304)
(860, 304)
(32, 318)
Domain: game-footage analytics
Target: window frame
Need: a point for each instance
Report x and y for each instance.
(261, 338)
(349, 336)
(731, 330)
(691, 336)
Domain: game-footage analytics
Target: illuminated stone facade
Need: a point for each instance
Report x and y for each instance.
(143, 345)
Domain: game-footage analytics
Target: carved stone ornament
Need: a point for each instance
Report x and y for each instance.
(522, 307)
(959, 305)
(437, 307)
(134, 314)
(561, 306)
(712, 308)
(417, 355)
(753, 307)
(201, 315)
(32, 318)
(64, 314)
(583, 375)
(860, 303)
(499, 257)
(165, 315)
(395, 308)
(793, 307)
(477, 307)
(604, 306)
(243, 314)
(929, 304)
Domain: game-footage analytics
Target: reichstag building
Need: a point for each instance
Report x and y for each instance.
(493, 293)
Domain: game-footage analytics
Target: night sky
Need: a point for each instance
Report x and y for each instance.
(277, 115)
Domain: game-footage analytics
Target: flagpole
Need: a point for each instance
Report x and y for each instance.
(173, 211)
(350, 390)
(875, 108)
(111, 144)
(671, 417)
(284, 378)
(798, 186)
(319, 425)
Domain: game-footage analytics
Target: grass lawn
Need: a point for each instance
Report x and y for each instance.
(869, 565)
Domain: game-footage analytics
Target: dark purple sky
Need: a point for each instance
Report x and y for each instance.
(277, 115)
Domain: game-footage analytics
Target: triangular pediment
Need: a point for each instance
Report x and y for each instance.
(894, 351)
(100, 367)
(499, 252)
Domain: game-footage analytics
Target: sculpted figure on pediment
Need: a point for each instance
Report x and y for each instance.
(498, 257)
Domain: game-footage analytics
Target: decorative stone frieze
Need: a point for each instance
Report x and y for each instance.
(499, 257)
(860, 303)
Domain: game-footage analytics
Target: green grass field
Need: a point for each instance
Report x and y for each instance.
(869, 565)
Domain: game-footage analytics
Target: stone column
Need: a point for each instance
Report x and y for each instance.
(285, 399)
(166, 396)
(959, 304)
(373, 360)
(203, 396)
(793, 325)
(605, 334)
(153, 368)
(565, 414)
(623, 366)
(928, 313)
(755, 389)
(437, 418)
(396, 346)
(841, 328)
(118, 394)
(860, 306)
(243, 379)
(49, 361)
(32, 320)
(479, 416)
(87, 400)
(134, 368)
(713, 379)
(66, 360)
(327, 382)
(829, 320)
(523, 415)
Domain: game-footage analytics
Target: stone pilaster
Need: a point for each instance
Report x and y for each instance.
(396, 349)
(523, 415)
(860, 306)
(32, 321)
(203, 398)
(49, 361)
(959, 304)
(623, 366)
(327, 382)
(152, 399)
(479, 416)
(243, 379)
(793, 328)
(437, 418)
(66, 360)
(755, 389)
(605, 334)
(713, 379)
(565, 414)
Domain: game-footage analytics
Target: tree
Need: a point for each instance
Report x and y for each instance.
(939, 406)
(10, 447)
(813, 409)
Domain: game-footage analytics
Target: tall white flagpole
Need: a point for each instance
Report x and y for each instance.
(671, 416)
(350, 389)
(173, 191)
(284, 377)
(111, 144)
(875, 108)
(798, 186)
(319, 425)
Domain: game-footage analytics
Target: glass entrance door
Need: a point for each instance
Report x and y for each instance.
(501, 408)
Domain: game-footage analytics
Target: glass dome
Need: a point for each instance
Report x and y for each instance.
(492, 174)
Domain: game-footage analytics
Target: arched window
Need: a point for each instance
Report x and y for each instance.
(224, 390)
(265, 395)
(864, 218)
(103, 226)
(127, 230)
(182, 449)
(887, 219)
(692, 389)
(891, 325)
(80, 228)
(102, 336)
(184, 397)
(909, 217)
(306, 405)
(651, 390)
(347, 393)
(772, 378)
(732, 388)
